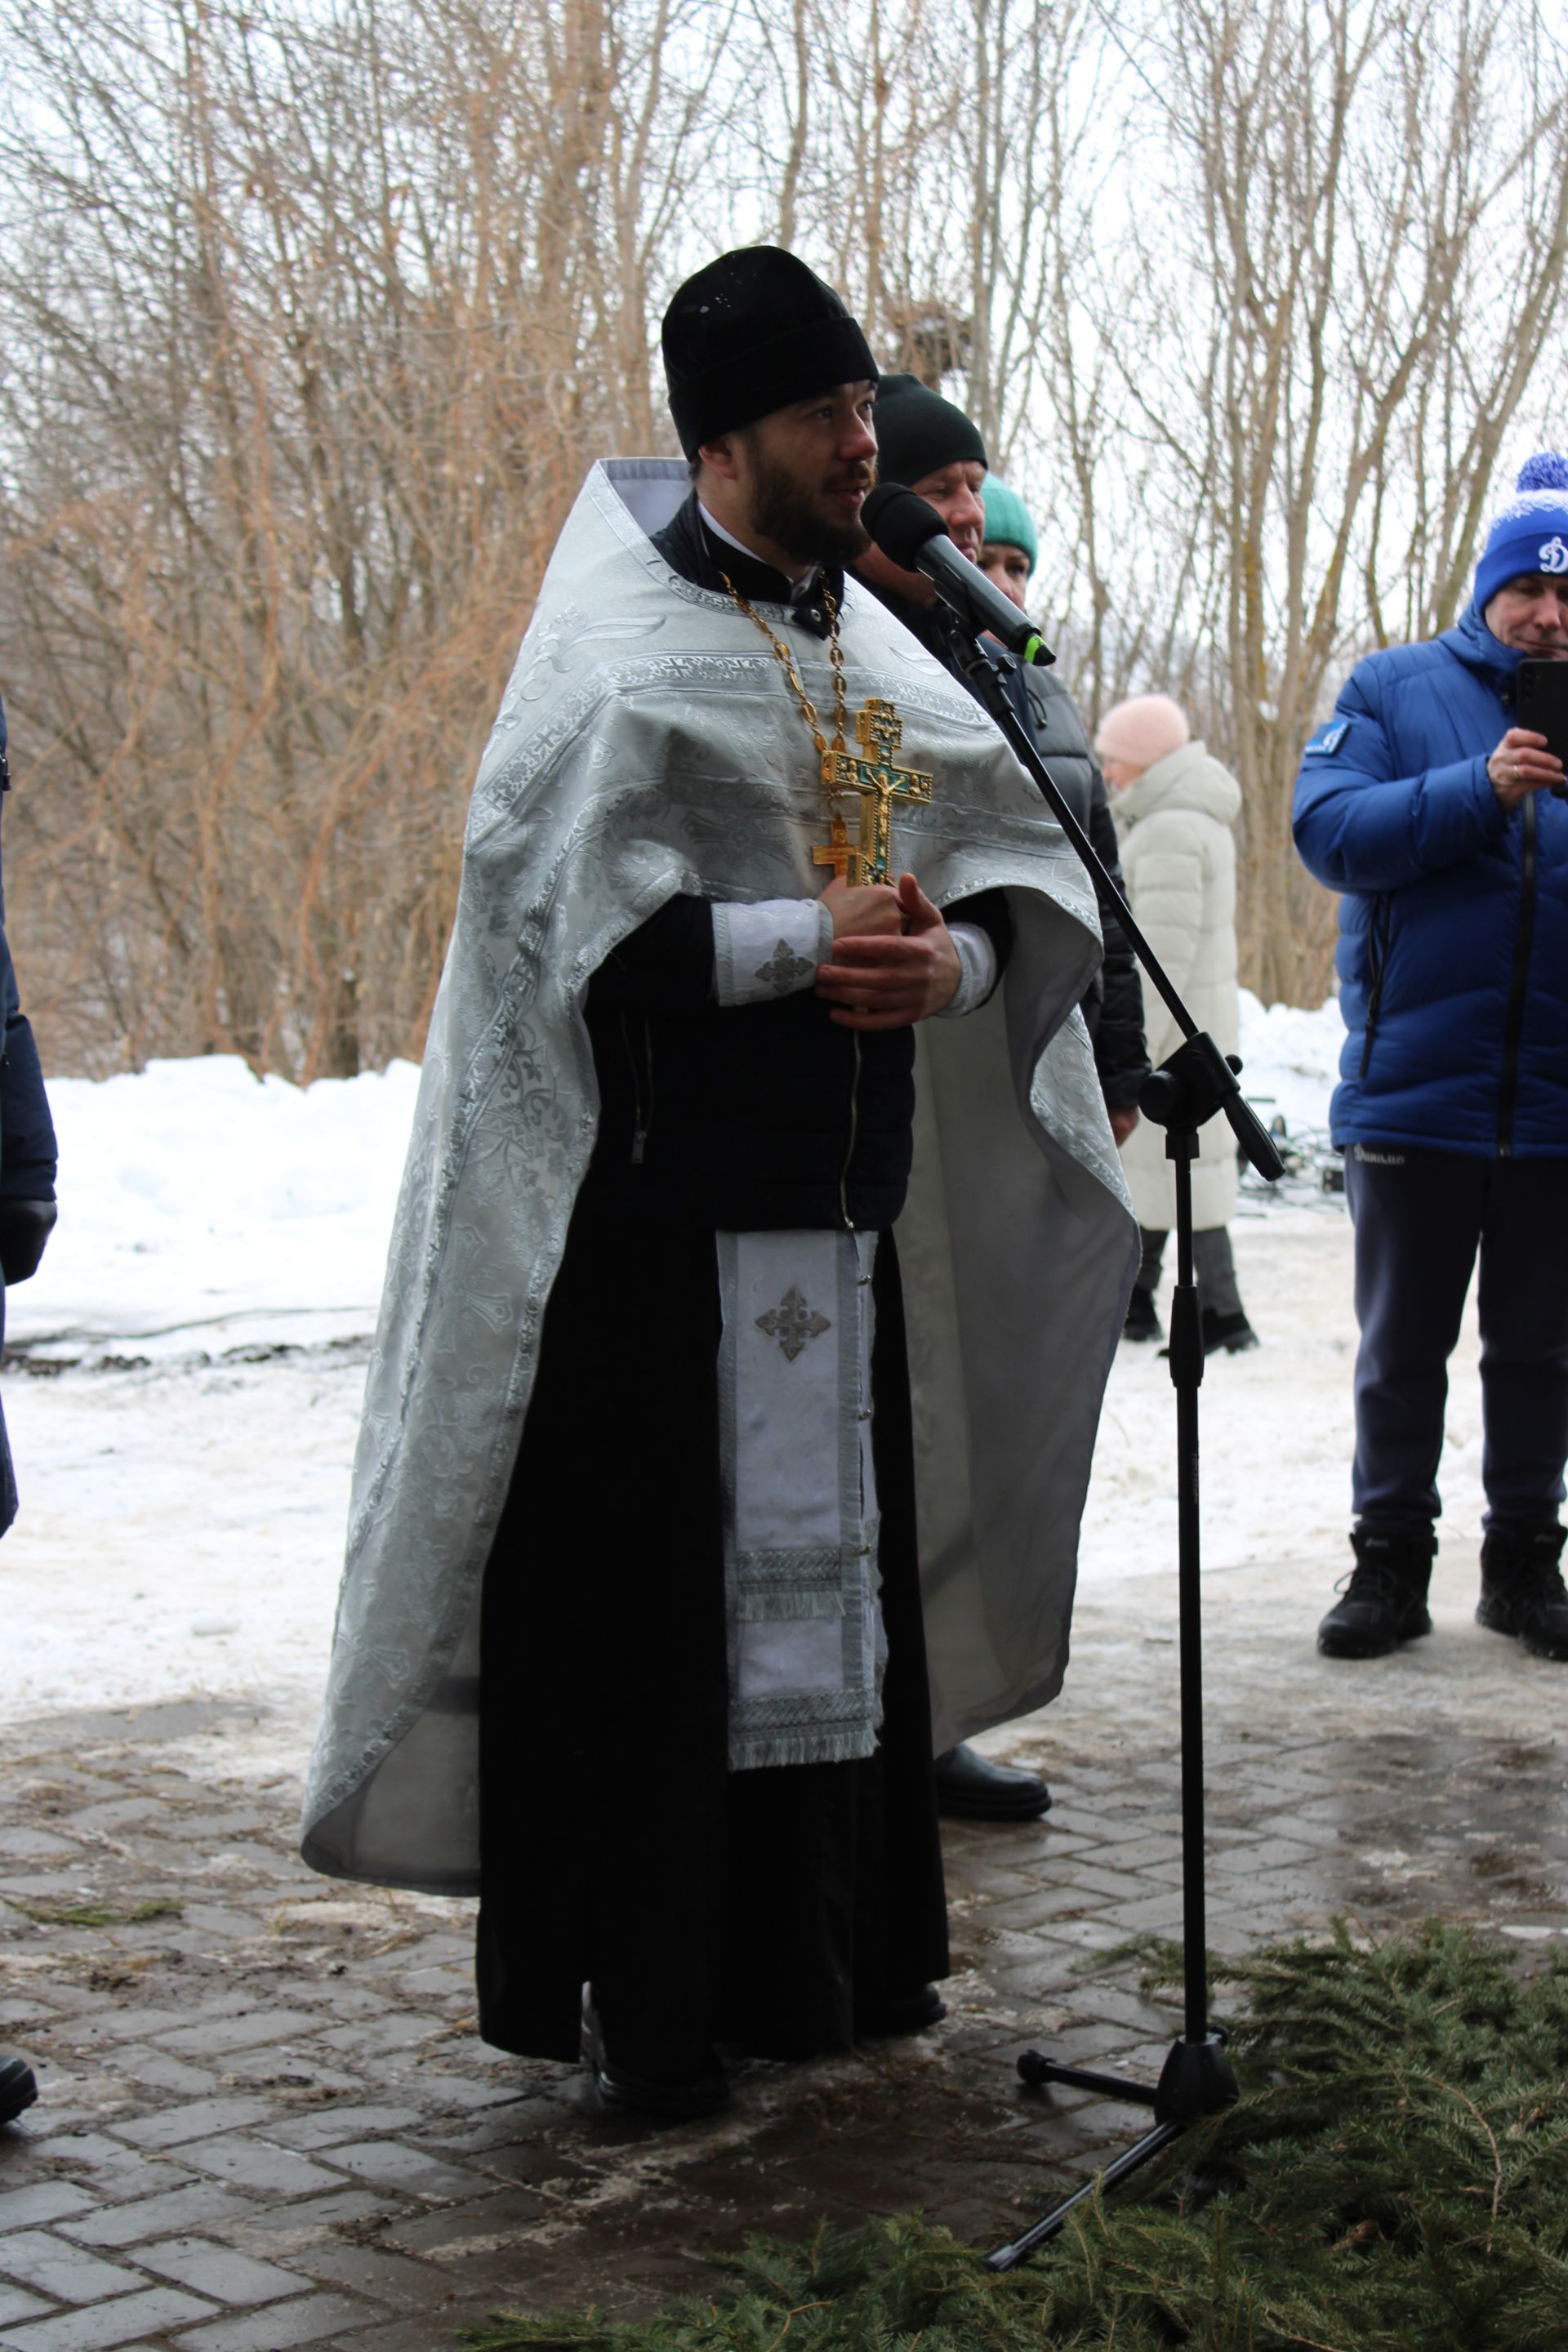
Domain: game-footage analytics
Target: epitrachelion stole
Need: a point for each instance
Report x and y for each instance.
(807, 1647)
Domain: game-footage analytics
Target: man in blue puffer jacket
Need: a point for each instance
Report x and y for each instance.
(1441, 820)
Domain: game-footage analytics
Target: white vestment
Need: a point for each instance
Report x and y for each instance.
(647, 746)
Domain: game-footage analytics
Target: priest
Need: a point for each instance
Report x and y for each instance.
(761, 1234)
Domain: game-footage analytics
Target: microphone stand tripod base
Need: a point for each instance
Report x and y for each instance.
(1196, 2080)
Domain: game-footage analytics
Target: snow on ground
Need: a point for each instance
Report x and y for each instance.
(200, 1205)
(180, 1535)
(204, 1209)
(1289, 1060)
(183, 1507)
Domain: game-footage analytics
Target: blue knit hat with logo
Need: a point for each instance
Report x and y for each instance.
(1007, 519)
(1529, 531)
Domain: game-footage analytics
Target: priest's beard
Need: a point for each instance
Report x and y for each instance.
(799, 519)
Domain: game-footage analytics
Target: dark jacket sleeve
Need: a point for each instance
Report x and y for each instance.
(27, 1152)
(665, 966)
(28, 1163)
(988, 910)
(1121, 1052)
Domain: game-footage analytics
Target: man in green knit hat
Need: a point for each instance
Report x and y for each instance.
(930, 444)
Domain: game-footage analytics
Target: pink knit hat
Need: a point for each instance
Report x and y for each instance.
(1142, 731)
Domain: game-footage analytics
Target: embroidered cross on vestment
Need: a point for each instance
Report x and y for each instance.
(784, 970)
(792, 1323)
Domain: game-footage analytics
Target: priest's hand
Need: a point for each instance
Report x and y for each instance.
(862, 912)
(888, 983)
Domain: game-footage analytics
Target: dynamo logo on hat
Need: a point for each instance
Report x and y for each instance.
(1528, 535)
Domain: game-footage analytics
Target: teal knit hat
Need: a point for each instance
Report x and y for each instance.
(1007, 519)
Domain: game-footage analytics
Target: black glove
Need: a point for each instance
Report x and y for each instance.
(25, 1227)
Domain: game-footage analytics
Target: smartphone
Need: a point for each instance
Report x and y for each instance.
(1541, 704)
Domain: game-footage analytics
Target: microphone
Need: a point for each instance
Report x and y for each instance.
(912, 534)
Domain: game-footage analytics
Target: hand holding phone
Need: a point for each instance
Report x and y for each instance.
(1542, 700)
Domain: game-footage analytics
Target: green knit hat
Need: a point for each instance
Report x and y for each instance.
(1007, 519)
(919, 432)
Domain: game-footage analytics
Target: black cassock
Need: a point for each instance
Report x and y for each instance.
(774, 1908)
(766, 1908)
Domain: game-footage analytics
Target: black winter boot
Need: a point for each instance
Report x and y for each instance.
(18, 2087)
(1384, 1600)
(1522, 1590)
(1234, 1333)
(1142, 1322)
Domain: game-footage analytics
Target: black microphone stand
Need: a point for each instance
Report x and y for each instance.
(1182, 1095)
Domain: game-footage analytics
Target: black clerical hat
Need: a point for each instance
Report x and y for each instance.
(753, 332)
(919, 432)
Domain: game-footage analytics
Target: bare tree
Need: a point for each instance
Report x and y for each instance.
(321, 320)
(1339, 290)
(312, 318)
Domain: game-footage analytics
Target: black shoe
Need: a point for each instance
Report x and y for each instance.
(1234, 1333)
(1142, 1323)
(1522, 1590)
(18, 2088)
(970, 1788)
(910, 2012)
(1383, 1601)
(621, 2085)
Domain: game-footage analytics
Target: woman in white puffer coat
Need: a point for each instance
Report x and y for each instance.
(1174, 806)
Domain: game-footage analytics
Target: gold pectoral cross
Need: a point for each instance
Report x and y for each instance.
(837, 851)
(874, 773)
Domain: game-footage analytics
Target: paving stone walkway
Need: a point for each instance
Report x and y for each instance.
(266, 2120)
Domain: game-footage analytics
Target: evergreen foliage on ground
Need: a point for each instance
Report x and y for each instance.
(1395, 2179)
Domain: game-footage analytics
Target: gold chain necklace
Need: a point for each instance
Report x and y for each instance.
(786, 659)
(872, 771)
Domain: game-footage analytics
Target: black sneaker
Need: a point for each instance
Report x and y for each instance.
(1383, 1600)
(1522, 1592)
(1142, 1322)
(18, 2087)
